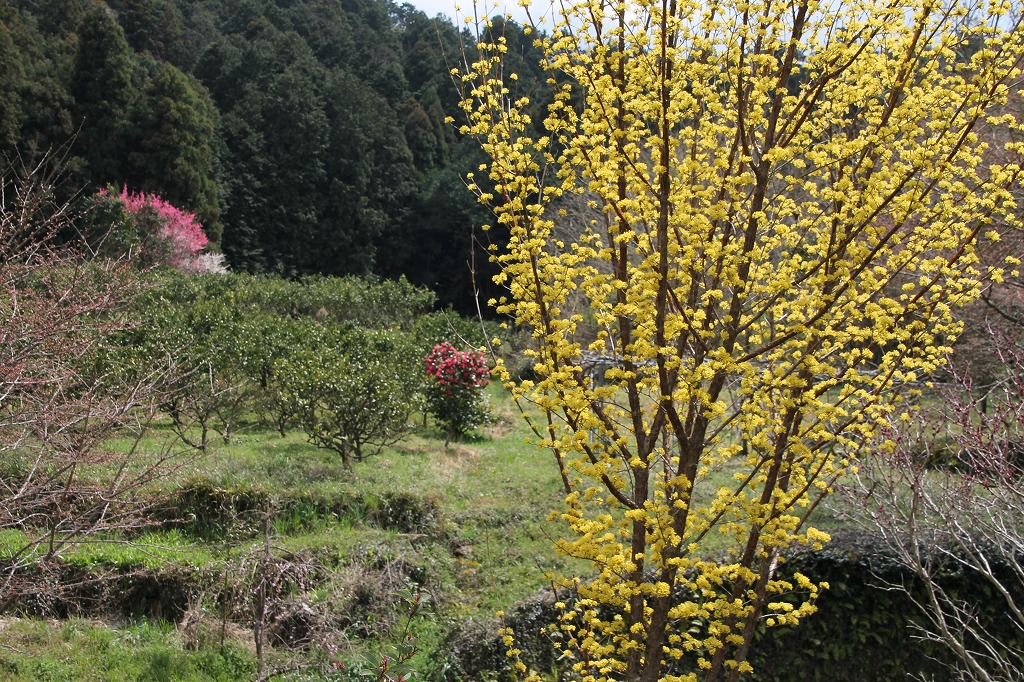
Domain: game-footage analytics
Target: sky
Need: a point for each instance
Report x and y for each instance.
(447, 7)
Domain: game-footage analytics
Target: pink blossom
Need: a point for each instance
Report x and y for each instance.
(179, 229)
(453, 395)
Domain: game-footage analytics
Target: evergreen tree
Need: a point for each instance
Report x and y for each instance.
(34, 103)
(61, 18)
(12, 83)
(437, 244)
(153, 27)
(313, 131)
(172, 155)
(371, 176)
(101, 84)
(377, 53)
(326, 28)
(423, 135)
(275, 134)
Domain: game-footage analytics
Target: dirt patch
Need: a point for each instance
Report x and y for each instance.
(499, 429)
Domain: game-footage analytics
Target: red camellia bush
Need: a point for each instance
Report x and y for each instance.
(455, 383)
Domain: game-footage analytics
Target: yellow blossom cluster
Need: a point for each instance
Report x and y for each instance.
(782, 202)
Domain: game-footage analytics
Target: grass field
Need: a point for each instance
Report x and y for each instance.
(465, 523)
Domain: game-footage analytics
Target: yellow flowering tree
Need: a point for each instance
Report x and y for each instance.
(785, 199)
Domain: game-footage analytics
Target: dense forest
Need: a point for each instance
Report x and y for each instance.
(307, 136)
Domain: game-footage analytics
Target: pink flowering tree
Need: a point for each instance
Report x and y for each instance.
(455, 383)
(165, 235)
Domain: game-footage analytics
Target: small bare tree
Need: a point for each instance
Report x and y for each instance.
(949, 499)
(64, 395)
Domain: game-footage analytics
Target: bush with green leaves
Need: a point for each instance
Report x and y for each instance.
(353, 397)
(201, 342)
(229, 332)
(362, 302)
(267, 340)
(447, 325)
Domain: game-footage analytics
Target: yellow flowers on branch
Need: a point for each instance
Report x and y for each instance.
(785, 202)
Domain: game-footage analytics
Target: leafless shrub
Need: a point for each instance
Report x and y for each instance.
(961, 513)
(72, 418)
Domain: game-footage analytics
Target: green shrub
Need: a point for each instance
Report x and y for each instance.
(371, 303)
(354, 397)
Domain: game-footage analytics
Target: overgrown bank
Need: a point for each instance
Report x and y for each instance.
(472, 556)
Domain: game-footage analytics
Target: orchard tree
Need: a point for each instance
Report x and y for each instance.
(785, 200)
(204, 338)
(354, 396)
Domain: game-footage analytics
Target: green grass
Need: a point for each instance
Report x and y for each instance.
(152, 550)
(487, 545)
(12, 541)
(78, 651)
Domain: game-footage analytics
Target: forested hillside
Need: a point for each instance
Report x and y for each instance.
(306, 136)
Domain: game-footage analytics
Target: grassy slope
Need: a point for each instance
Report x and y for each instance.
(489, 546)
